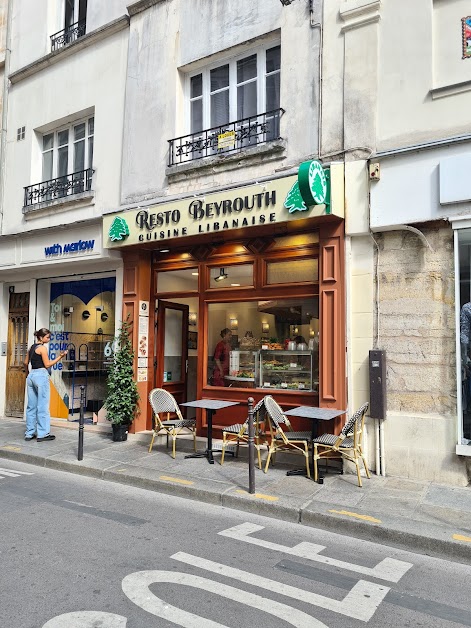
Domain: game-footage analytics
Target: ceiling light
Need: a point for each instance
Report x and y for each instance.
(235, 284)
(195, 274)
(222, 275)
(164, 251)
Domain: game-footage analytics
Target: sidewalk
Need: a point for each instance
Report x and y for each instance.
(422, 516)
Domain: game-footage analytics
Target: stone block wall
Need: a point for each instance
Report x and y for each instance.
(417, 331)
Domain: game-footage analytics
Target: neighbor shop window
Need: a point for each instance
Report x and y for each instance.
(464, 389)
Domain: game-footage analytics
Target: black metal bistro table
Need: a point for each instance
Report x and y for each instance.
(211, 406)
(314, 415)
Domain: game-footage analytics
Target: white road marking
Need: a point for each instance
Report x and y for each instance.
(136, 587)
(12, 474)
(360, 602)
(388, 569)
(87, 619)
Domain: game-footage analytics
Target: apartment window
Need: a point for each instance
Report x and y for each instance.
(68, 150)
(240, 88)
(20, 133)
(75, 24)
(75, 11)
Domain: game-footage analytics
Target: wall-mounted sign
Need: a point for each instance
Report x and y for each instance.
(119, 229)
(226, 140)
(143, 325)
(143, 308)
(466, 28)
(311, 188)
(142, 347)
(142, 375)
(81, 246)
(250, 206)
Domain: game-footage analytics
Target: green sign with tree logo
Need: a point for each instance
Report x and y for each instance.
(311, 188)
(119, 230)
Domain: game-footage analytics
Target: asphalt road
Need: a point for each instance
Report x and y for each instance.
(82, 553)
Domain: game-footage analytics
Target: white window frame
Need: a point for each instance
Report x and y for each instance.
(71, 146)
(205, 71)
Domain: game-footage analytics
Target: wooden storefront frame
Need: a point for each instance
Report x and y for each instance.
(140, 268)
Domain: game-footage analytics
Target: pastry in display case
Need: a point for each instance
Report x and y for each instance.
(289, 370)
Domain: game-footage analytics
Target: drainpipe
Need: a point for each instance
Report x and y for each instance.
(3, 139)
(320, 26)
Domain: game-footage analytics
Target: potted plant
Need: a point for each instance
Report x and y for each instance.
(122, 394)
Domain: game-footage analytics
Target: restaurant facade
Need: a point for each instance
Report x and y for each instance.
(239, 292)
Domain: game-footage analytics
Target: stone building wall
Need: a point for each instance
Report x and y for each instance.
(417, 330)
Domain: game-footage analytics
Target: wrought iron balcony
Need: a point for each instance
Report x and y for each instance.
(227, 138)
(68, 35)
(61, 187)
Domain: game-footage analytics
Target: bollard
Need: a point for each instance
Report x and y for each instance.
(81, 421)
(251, 447)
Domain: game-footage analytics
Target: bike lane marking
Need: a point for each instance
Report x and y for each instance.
(361, 602)
(388, 569)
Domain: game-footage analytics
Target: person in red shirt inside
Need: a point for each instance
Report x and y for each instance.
(221, 358)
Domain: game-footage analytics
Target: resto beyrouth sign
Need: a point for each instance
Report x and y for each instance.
(315, 191)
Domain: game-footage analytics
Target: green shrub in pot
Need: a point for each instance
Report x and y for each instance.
(122, 394)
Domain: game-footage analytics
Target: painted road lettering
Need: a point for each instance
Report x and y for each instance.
(361, 601)
(388, 569)
(136, 587)
(8, 473)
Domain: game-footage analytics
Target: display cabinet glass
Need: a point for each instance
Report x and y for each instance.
(288, 370)
(243, 366)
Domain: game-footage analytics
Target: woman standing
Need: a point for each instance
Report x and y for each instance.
(38, 419)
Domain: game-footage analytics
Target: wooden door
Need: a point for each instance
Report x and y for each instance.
(171, 351)
(18, 319)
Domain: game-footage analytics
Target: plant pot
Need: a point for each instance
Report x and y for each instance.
(120, 432)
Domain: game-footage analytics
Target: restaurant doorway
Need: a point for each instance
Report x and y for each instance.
(171, 348)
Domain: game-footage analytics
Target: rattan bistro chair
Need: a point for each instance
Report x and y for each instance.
(284, 440)
(348, 444)
(240, 432)
(163, 402)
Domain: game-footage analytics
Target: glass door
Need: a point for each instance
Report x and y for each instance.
(171, 351)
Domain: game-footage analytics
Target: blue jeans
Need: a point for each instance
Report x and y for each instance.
(38, 419)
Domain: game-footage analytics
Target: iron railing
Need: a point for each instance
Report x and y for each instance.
(227, 138)
(68, 35)
(60, 187)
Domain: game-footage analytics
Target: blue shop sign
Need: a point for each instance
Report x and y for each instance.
(81, 246)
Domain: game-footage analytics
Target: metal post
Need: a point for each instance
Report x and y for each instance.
(81, 421)
(251, 447)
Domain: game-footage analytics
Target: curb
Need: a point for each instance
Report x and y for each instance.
(403, 538)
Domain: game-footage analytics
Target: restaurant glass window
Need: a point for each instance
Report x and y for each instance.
(464, 388)
(287, 272)
(182, 280)
(270, 344)
(231, 276)
(81, 320)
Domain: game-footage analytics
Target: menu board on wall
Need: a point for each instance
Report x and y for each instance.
(142, 375)
(142, 349)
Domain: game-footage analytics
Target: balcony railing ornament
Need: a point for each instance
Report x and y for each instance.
(68, 35)
(242, 134)
(61, 187)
